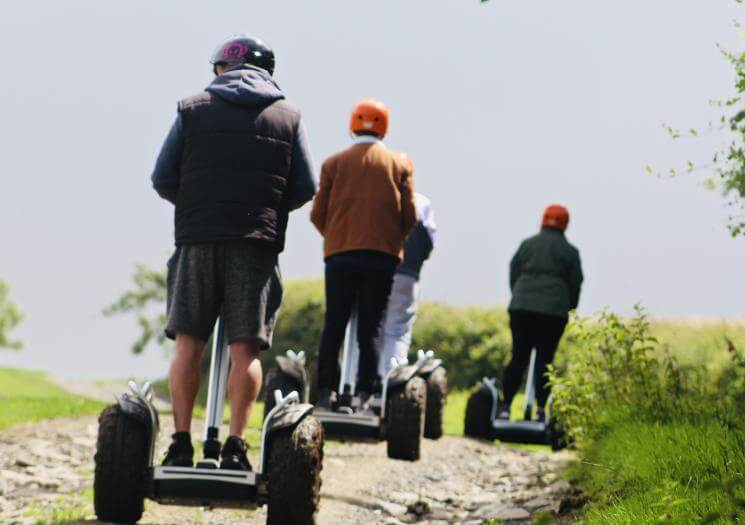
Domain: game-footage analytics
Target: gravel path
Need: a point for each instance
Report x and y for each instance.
(46, 471)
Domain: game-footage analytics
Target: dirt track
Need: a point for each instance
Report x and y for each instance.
(46, 472)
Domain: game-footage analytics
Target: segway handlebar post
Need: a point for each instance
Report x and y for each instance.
(219, 365)
(350, 357)
(530, 387)
(395, 363)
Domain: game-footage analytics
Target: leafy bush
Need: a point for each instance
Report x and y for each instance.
(10, 317)
(615, 369)
(147, 301)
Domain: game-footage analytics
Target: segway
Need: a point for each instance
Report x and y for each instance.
(398, 409)
(287, 478)
(482, 421)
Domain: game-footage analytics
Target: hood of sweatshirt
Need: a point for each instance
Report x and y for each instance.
(246, 86)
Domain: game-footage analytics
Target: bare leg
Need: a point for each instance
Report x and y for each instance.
(183, 379)
(244, 383)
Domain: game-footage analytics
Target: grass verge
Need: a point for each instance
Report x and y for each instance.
(663, 473)
(27, 396)
(658, 441)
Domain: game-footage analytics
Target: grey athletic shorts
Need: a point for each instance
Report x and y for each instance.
(237, 281)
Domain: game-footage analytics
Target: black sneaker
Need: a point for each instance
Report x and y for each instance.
(540, 416)
(234, 454)
(324, 401)
(180, 453)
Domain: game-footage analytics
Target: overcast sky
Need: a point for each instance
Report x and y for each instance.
(504, 107)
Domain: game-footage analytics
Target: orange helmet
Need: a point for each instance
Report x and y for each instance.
(369, 116)
(556, 216)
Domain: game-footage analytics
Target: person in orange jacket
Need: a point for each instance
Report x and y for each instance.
(365, 210)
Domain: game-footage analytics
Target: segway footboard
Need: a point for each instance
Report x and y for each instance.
(202, 487)
(526, 432)
(207, 486)
(350, 426)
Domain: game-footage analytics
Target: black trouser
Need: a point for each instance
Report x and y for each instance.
(349, 283)
(532, 330)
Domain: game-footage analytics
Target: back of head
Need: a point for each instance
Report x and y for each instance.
(241, 49)
(556, 216)
(369, 117)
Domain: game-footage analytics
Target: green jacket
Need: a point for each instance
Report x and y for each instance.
(546, 275)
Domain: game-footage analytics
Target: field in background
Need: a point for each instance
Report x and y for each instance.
(700, 342)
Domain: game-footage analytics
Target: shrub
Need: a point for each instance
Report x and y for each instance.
(10, 317)
(473, 342)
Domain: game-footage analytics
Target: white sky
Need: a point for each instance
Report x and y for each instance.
(504, 107)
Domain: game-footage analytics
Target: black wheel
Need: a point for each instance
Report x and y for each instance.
(556, 436)
(478, 414)
(313, 381)
(405, 415)
(121, 473)
(295, 459)
(437, 393)
(276, 379)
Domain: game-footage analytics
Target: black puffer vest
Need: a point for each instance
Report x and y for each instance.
(234, 171)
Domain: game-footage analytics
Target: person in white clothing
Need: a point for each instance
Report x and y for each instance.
(398, 322)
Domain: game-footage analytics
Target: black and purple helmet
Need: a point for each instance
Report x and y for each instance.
(241, 49)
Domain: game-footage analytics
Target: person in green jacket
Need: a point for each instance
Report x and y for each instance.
(545, 279)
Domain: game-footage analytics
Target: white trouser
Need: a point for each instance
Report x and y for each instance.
(398, 321)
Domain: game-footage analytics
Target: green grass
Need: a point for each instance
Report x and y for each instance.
(27, 396)
(657, 442)
(671, 473)
(68, 508)
(455, 410)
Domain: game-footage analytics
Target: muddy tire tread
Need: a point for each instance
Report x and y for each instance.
(121, 469)
(478, 414)
(295, 460)
(437, 392)
(407, 405)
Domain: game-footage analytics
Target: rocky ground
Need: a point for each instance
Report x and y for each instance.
(46, 471)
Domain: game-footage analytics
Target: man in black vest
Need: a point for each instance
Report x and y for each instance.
(235, 163)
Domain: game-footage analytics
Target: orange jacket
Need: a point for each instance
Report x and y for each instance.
(365, 200)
